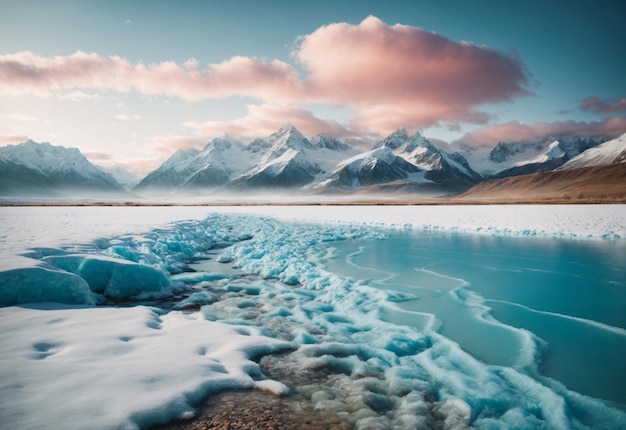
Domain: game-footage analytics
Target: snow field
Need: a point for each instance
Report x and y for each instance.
(559, 221)
(121, 368)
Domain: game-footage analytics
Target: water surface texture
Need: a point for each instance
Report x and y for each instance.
(507, 300)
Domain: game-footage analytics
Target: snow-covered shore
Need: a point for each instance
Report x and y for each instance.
(565, 221)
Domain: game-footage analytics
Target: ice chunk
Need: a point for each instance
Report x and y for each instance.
(24, 280)
(115, 278)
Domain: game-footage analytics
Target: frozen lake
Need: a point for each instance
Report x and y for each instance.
(482, 290)
(409, 316)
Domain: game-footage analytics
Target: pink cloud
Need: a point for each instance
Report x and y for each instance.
(406, 76)
(603, 106)
(383, 119)
(515, 131)
(12, 139)
(265, 119)
(373, 62)
(253, 77)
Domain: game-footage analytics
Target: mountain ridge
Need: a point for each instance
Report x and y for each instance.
(288, 160)
(48, 170)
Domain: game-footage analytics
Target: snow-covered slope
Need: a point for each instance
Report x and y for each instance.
(449, 170)
(171, 174)
(64, 169)
(285, 159)
(525, 157)
(284, 164)
(377, 166)
(16, 179)
(401, 163)
(215, 165)
(291, 160)
(290, 169)
(610, 152)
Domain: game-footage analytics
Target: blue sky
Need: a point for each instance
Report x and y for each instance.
(556, 66)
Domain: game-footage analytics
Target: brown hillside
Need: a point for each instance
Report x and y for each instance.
(586, 184)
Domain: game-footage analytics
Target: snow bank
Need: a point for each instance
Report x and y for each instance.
(103, 368)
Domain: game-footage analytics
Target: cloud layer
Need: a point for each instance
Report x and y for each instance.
(603, 106)
(31, 73)
(515, 131)
(265, 119)
(389, 75)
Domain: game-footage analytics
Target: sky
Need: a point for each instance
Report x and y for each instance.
(130, 82)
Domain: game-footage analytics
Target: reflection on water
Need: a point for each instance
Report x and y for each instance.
(489, 294)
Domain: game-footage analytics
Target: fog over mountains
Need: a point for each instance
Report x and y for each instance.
(289, 162)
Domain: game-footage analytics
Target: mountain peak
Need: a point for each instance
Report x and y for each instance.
(395, 140)
(401, 133)
(288, 130)
(288, 137)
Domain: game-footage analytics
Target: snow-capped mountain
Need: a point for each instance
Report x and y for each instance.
(377, 166)
(285, 159)
(525, 157)
(401, 162)
(211, 167)
(452, 170)
(285, 163)
(607, 153)
(46, 169)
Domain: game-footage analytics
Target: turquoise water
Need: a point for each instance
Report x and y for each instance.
(556, 307)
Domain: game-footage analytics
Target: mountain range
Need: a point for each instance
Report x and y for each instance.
(289, 162)
(41, 169)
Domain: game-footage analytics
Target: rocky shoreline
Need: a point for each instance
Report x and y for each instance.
(254, 409)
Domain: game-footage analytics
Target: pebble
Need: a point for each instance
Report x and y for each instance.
(253, 409)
